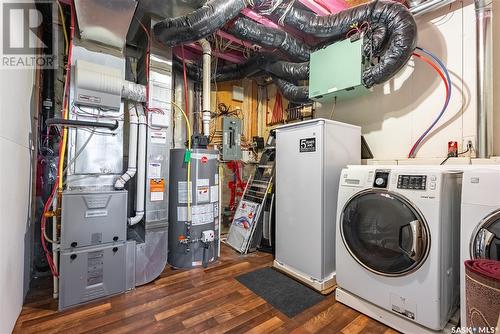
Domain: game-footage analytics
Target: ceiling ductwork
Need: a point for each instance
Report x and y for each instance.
(105, 22)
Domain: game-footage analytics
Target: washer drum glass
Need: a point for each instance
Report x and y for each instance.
(485, 243)
(385, 233)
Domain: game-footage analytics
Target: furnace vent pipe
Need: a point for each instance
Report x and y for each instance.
(141, 168)
(132, 150)
(207, 71)
(484, 44)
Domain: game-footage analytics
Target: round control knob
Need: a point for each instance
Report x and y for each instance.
(74, 244)
(115, 238)
(379, 181)
(115, 249)
(72, 256)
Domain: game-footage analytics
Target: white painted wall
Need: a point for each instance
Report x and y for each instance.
(16, 87)
(397, 113)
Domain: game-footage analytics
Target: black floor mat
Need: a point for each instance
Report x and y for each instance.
(282, 292)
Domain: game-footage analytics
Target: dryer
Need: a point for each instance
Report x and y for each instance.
(480, 223)
(397, 248)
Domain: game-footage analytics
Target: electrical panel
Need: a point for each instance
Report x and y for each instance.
(231, 138)
(336, 71)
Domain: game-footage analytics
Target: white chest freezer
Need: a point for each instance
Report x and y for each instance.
(309, 158)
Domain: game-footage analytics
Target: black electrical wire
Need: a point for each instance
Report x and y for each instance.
(453, 156)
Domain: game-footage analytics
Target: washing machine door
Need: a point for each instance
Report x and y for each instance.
(485, 243)
(385, 233)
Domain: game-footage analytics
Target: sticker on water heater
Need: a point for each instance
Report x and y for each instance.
(214, 194)
(182, 214)
(182, 192)
(158, 137)
(216, 210)
(202, 194)
(202, 214)
(307, 145)
(203, 191)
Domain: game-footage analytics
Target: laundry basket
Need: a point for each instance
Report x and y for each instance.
(482, 293)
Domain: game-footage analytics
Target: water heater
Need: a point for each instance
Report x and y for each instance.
(193, 238)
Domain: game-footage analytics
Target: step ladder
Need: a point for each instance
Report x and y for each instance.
(245, 231)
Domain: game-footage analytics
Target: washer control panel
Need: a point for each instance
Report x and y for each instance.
(413, 182)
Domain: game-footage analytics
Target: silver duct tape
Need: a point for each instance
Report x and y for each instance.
(134, 92)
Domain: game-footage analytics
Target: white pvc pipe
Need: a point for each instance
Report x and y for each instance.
(132, 150)
(141, 168)
(207, 62)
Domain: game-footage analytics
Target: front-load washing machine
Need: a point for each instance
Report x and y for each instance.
(398, 244)
(480, 223)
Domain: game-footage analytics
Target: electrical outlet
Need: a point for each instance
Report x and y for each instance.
(466, 141)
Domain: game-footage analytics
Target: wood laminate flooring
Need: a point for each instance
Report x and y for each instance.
(190, 301)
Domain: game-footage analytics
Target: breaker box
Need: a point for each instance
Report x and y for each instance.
(231, 138)
(336, 71)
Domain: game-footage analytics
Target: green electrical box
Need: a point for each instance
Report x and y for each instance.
(336, 71)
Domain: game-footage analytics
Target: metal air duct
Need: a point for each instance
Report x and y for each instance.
(105, 22)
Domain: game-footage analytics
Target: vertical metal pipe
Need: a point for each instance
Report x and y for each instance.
(484, 43)
(180, 127)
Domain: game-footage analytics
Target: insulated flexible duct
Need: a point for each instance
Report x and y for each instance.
(247, 29)
(399, 22)
(291, 92)
(227, 73)
(239, 71)
(282, 69)
(199, 24)
(288, 70)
